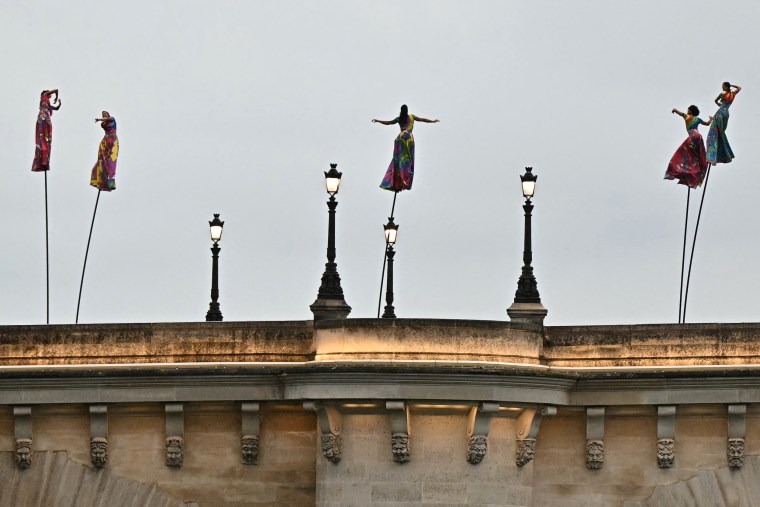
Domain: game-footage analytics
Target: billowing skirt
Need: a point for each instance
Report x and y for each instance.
(718, 149)
(689, 163)
(401, 169)
(104, 172)
(43, 143)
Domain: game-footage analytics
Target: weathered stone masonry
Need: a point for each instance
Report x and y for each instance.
(373, 412)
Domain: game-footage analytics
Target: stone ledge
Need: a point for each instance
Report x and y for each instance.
(428, 340)
(156, 343)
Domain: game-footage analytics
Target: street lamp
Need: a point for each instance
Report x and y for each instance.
(330, 303)
(391, 233)
(527, 305)
(216, 226)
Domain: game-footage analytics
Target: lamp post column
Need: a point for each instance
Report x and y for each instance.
(330, 302)
(214, 313)
(389, 311)
(527, 289)
(527, 305)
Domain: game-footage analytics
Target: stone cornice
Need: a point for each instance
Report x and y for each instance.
(428, 382)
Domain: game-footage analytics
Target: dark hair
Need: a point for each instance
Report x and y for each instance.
(727, 84)
(403, 117)
(694, 110)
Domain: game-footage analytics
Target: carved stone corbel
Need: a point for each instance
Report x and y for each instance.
(175, 434)
(98, 435)
(22, 428)
(666, 435)
(330, 425)
(478, 426)
(527, 430)
(249, 440)
(400, 430)
(736, 431)
(594, 438)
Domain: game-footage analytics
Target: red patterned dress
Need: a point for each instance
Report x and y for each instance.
(43, 134)
(689, 163)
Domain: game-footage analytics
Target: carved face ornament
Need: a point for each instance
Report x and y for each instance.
(23, 453)
(174, 451)
(98, 452)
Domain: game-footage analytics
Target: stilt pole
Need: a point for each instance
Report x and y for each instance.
(683, 254)
(47, 256)
(81, 283)
(693, 244)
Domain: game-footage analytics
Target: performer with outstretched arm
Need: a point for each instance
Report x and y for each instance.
(400, 172)
(689, 166)
(689, 163)
(103, 178)
(104, 172)
(718, 149)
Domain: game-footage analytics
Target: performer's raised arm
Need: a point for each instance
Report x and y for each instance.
(425, 120)
(708, 123)
(386, 122)
(679, 113)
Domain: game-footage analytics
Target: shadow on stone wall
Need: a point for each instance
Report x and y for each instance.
(55, 480)
(717, 487)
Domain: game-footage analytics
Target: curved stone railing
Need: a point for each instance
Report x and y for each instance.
(427, 340)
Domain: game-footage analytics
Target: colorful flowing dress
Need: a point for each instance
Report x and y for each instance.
(689, 163)
(718, 149)
(400, 172)
(43, 134)
(104, 172)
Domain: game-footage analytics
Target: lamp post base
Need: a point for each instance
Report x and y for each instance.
(530, 313)
(214, 314)
(327, 309)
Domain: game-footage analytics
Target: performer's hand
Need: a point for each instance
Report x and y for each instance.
(673, 111)
(374, 121)
(436, 121)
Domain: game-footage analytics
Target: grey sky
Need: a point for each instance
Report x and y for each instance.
(238, 108)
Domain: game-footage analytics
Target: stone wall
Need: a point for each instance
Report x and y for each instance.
(336, 403)
(437, 472)
(211, 473)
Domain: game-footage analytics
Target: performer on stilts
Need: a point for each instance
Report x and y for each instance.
(104, 172)
(103, 177)
(689, 166)
(718, 152)
(718, 149)
(400, 171)
(689, 163)
(43, 144)
(49, 102)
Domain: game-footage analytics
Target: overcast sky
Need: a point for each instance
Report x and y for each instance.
(238, 108)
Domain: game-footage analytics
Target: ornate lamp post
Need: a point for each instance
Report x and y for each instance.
(330, 303)
(216, 226)
(527, 306)
(391, 232)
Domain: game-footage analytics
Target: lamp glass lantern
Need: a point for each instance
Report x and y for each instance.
(332, 179)
(216, 227)
(528, 183)
(391, 232)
